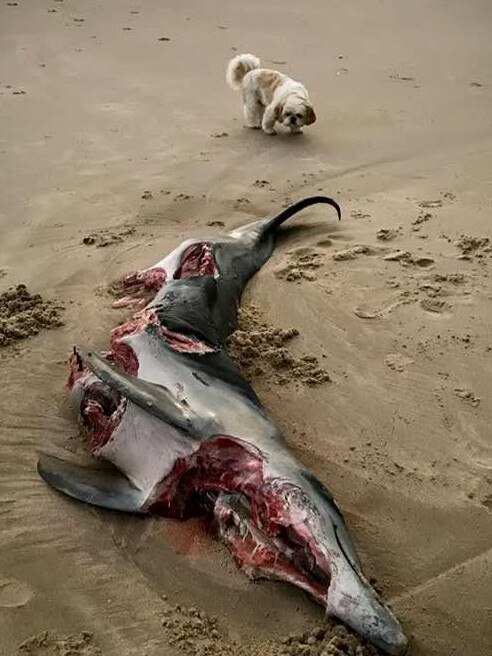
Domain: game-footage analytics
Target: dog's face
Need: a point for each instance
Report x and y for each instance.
(296, 112)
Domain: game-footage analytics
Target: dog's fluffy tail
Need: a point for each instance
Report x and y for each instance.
(238, 67)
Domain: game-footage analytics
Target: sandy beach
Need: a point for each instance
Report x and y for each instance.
(118, 140)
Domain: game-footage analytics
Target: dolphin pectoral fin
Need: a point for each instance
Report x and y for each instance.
(106, 488)
(154, 399)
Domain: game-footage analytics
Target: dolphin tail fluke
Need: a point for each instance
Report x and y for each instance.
(106, 488)
(273, 224)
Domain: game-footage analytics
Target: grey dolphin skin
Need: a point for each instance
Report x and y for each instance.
(187, 436)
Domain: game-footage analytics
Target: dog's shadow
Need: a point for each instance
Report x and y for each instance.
(301, 142)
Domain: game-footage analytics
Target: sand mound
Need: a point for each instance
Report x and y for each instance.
(48, 644)
(23, 314)
(473, 246)
(259, 349)
(197, 634)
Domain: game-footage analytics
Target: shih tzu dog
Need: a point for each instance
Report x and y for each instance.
(269, 96)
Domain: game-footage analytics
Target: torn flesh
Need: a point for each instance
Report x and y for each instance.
(266, 533)
(191, 258)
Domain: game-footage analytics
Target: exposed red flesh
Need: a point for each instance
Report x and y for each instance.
(149, 280)
(136, 289)
(77, 369)
(224, 464)
(197, 260)
(100, 425)
(130, 302)
(260, 562)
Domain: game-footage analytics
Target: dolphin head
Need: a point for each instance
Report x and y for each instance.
(349, 597)
(352, 599)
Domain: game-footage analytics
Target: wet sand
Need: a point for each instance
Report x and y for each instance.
(119, 139)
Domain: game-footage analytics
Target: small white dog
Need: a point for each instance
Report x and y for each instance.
(269, 96)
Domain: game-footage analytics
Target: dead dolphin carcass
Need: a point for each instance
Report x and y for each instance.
(188, 436)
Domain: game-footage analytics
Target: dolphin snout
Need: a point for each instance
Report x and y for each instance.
(383, 630)
(352, 599)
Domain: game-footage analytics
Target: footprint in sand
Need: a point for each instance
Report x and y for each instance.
(107, 237)
(357, 214)
(453, 278)
(397, 361)
(386, 234)
(301, 266)
(180, 197)
(433, 305)
(430, 204)
(441, 285)
(487, 501)
(422, 218)
(467, 396)
(14, 594)
(352, 253)
(438, 202)
(366, 314)
(406, 259)
(240, 202)
(431, 289)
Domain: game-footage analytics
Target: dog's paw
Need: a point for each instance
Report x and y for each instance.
(271, 132)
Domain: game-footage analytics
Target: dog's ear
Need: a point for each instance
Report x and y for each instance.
(278, 112)
(310, 115)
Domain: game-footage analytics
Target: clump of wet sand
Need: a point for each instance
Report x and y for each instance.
(50, 644)
(195, 633)
(259, 350)
(23, 315)
(473, 247)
